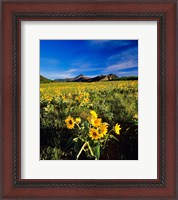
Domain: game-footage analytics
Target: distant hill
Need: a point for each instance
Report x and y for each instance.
(44, 80)
(82, 78)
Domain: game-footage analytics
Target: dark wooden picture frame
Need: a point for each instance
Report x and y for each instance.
(15, 187)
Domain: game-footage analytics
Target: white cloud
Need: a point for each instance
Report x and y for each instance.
(71, 70)
(90, 69)
(130, 54)
(125, 73)
(83, 63)
(120, 66)
(57, 75)
(83, 66)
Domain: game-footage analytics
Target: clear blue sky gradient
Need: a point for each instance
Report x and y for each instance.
(69, 58)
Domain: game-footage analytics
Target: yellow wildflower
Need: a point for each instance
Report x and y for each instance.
(135, 117)
(117, 129)
(103, 129)
(63, 97)
(69, 95)
(96, 122)
(86, 100)
(70, 122)
(93, 133)
(78, 120)
(94, 115)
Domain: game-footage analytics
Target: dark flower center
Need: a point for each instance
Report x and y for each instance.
(70, 122)
(94, 134)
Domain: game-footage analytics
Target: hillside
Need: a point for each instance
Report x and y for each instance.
(44, 80)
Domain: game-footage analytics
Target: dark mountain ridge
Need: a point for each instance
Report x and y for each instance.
(82, 78)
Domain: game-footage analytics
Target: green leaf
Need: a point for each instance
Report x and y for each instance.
(113, 137)
(56, 153)
(86, 125)
(102, 140)
(96, 151)
(77, 146)
(91, 142)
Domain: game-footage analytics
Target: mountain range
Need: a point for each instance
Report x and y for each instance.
(82, 78)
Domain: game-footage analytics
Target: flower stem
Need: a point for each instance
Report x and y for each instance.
(78, 126)
(90, 149)
(81, 150)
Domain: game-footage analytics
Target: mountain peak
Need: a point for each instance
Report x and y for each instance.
(79, 76)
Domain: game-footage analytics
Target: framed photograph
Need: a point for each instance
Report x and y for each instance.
(89, 100)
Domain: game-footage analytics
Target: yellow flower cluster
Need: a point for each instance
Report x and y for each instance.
(98, 129)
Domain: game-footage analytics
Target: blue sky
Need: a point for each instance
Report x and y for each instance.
(69, 58)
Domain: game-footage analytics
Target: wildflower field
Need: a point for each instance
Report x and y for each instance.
(89, 121)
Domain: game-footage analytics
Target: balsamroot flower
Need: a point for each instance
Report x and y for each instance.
(93, 133)
(70, 122)
(78, 120)
(94, 115)
(117, 129)
(96, 122)
(103, 129)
